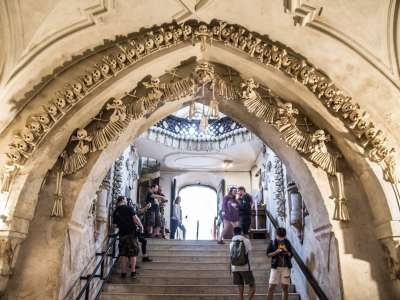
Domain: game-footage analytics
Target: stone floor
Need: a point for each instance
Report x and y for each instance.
(189, 270)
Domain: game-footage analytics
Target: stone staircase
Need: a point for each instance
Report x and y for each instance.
(189, 270)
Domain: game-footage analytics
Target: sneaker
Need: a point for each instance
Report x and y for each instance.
(133, 275)
(123, 275)
(221, 242)
(146, 259)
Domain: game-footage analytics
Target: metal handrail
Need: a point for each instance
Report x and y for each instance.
(304, 269)
(86, 288)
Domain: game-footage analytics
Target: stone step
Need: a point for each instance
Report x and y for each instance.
(136, 288)
(194, 266)
(215, 247)
(168, 280)
(197, 252)
(183, 259)
(189, 273)
(126, 296)
(198, 242)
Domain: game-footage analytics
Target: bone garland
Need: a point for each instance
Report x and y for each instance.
(181, 88)
(7, 177)
(269, 53)
(319, 152)
(119, 120)
(58, 210)
(341, 212)
(78, 159)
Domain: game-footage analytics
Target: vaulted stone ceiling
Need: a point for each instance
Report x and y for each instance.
(355, 40)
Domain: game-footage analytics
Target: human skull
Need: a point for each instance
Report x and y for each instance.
(88, 80)
(187, 30)
(20, 144)
(44, 119)
(112, 61)
(139, 48)
(35, 126)
(158, 39)
(131, 53)
(70, 96)
(226, 32)
(81, 134)
(155, 81)
(149, 43)
(60, 102)
(105, 69)
(177, 33)
(77, 87)
(121, 57)
(27, 136)
(96, 75)
(52, 109)
(203, 29)
(168, 36)
(14, 154)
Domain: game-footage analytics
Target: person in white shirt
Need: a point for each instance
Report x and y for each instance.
(176, 220)
(240, 263)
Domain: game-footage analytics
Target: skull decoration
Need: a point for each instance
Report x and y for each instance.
(87, 80)
(69, 96)
(20, 144)
(159, 39)
(105, 69)
(305, 72)
(121, 58)
(60, 102)
(77, 88)
(35, 127)
(14, 154)
(205, 73)
(177, 34)
(139, 49)
(149, 42)
(248, 89)
(348, 107)
(111, 61)
(28, 136)
(52, 110)
(45, 120)
(187, 31)
(96, 75)
(168, 36)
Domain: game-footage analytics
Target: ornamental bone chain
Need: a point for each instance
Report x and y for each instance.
(129, 51)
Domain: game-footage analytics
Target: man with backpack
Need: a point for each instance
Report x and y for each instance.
(125, 219)
(280, 251)
(240, 248)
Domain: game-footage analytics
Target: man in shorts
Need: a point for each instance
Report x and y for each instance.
(153, 221)
(125, 219)
(280, 251)
(242, 274)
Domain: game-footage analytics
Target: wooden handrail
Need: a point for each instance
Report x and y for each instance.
(304, 269)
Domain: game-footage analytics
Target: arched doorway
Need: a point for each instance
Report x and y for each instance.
(199, 207)
(312, 181)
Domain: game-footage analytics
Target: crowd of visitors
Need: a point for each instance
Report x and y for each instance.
(236, 215)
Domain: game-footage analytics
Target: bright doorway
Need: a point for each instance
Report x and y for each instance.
(199, 204)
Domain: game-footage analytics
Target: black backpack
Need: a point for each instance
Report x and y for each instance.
(238, 254)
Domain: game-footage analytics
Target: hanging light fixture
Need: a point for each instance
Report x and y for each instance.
(192, 110)
(203, 126)
(214, 106)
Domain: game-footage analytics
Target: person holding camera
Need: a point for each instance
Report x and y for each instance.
(280, 251)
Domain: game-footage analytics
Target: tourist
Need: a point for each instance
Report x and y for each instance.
(245, 204)
(139, 232)
(162, 201)
(176, 219)
(229, 213)
(280, 251)
(153, 222)
(125, 219)
(240, 248)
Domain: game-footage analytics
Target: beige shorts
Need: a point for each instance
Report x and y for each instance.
(280, 276)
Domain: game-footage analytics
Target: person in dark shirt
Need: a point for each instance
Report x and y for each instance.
(125, 219)
(280, 251)
(139, 233)
(245, 205)
(153, 220)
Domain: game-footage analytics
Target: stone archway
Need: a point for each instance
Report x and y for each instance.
(26, 183)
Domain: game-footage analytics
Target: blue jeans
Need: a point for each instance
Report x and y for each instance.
(175, 224)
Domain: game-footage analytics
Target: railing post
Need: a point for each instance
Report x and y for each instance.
(197, 231)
